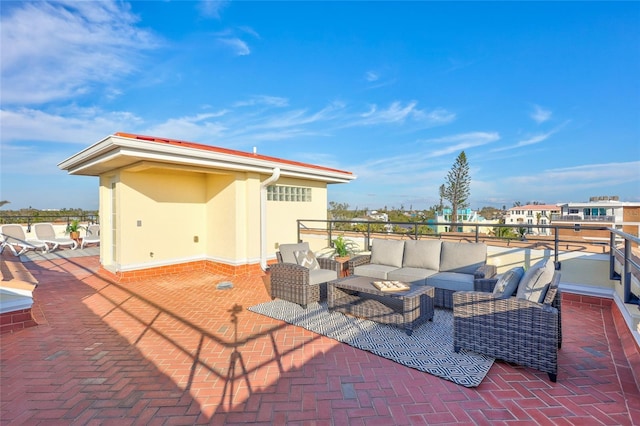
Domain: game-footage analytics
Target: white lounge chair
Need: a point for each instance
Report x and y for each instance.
(13, 236)
(46, 234)
(92, 236)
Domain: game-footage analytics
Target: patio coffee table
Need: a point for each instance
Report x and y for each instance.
(357, 296)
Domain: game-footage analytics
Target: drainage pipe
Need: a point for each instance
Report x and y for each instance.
(263, 216)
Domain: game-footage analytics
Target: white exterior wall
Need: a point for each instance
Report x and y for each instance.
(160, 214)
(513, 217)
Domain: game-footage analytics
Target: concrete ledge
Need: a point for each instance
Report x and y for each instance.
(16, 297)
(582, 290)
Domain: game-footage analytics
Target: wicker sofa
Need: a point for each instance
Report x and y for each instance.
(297, 283)
(525, 330)
(446, 266)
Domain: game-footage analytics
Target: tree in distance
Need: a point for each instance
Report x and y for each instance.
(457, 186)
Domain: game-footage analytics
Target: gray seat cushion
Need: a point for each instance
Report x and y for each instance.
(422, 254)
(411, 275)
(317, 276)
(535, 283)
(464, 258)
(373, 271)
(387, 252)
(508, 283)
(287, 251)
(451, 281)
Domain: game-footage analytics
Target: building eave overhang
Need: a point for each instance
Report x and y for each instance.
(123, 150)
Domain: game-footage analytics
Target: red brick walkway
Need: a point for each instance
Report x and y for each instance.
(166, 351)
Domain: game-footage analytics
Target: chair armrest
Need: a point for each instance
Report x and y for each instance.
(289, 273)
(485, 271)
(359, 260)
(481, 306)
(329, 263)
(485, 285)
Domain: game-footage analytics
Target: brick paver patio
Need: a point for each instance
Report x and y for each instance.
(176, 350)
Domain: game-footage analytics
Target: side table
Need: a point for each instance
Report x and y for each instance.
(344, 266)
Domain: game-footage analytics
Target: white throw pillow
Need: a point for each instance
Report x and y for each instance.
(535, 283)
(307, 259)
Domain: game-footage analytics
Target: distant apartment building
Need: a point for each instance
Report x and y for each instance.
(607, 211)
(533, 217)
(465, 216)
(376, 215)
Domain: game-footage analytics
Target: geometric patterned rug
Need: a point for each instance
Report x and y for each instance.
(428, 349)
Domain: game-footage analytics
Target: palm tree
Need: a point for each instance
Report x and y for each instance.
(522, 232)
(502, 232)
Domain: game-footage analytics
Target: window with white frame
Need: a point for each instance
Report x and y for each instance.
(288, 193)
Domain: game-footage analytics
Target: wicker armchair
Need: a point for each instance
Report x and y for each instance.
(514, 330)
(296, 283)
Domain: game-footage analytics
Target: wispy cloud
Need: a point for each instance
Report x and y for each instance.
(70, 125)
(456, 64)
(57, 50)
(399, 113)
(232, 40)
(422, 164)
(87, 125)
(436, 116)
(187, 129)
(212, 8)
(239, 47)
(41, 161)
(272, 101)
(460, 142)
(540, 115)
(371, 76)
(588, 177)
(525, 142)
(376, 79)
(260, 118)
(531, 140)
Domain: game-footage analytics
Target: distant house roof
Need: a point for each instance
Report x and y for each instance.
(605, 203)
(139, 152)
(536, 207)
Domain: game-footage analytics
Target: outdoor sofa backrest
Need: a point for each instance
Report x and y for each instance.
(441, 256)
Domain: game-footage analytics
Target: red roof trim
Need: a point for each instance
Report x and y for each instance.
(211, 148)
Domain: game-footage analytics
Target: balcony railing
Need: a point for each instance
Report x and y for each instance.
(630, 263)
(28, 220)
(580, 218)
(619, 246)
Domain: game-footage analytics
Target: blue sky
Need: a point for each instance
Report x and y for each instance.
(544, 97)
